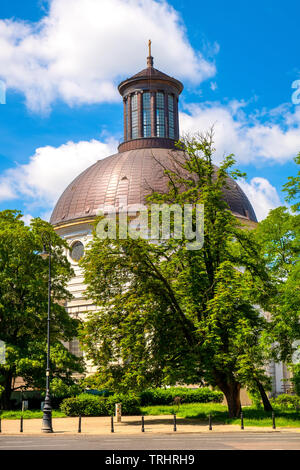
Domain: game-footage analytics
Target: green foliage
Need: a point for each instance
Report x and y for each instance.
(278, 235)
(292, 188)
(159, 396)
(24, 303)
(60, 388)
(279, 238)
(29, 414)
(296, 377)
(130, 402)
(92, 405)
(163, 396)
(195, 411)
(95, 382)
(255, 398)
(285, 401)
(171, 315)
(201, 411)
(85, 405)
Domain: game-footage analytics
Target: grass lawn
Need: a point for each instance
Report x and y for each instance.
(195, 411)
(219, 413)
(29, 414)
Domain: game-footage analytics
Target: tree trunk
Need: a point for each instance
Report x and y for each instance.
(264, 397)
(232, 394)
(231, 391)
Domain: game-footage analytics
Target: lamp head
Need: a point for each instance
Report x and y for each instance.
(44, 254)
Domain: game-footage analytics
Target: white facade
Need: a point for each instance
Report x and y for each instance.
(79, 305)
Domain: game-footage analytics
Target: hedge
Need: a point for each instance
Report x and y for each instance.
(88, 404)
(93, 405)
(286, 401)
(159, 396)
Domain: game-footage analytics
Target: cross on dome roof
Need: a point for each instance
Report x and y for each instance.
(149, 58)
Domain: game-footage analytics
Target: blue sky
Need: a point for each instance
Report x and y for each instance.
(61, 61)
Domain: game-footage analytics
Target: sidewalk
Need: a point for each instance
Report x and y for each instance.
(130, 425)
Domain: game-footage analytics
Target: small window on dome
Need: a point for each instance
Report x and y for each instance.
(77, 251)
(160, 114)
(134, 116)
(146, 115)
(171, 116)
(127, 121)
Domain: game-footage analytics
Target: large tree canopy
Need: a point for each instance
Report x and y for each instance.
(171, 314)
(279, 238)
(23, 306)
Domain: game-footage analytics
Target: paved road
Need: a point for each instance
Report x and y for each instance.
(220, 441)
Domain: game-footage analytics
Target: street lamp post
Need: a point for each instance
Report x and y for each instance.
(47, 410)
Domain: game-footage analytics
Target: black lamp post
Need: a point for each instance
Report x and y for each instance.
(47, 410)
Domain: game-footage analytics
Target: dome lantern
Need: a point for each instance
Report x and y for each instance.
(150, 131)
(150, 100)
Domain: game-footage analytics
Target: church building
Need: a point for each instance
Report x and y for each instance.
(151, 128)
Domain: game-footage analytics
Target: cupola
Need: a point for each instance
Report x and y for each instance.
(150, 100)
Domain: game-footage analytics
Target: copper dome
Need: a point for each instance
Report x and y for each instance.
(132, 174)
(151, 128)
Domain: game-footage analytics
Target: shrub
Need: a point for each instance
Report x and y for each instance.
(88, 404)
(285, 401)
(130, 403)
(295, 379)
(159, 396)
(84, 405)
(93, 405)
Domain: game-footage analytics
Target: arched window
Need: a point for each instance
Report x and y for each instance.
(141, 118)
(160, 114)
(127, 136)
(134, 117)
(146, 115)
(77, 251)
(171, 116)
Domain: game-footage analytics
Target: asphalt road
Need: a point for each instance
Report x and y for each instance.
(220, 441)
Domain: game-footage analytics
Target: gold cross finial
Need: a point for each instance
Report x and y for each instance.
(149, 58)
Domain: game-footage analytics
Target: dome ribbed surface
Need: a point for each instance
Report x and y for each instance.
(133, 174)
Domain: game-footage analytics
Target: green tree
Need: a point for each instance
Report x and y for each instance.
(169, 314)
(279, 238)
(23, 306)
(292, 188)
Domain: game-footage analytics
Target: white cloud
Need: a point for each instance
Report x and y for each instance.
(262, 195)
(272, 136)
(81, 49)
(40, 182)
(268, 137)
(49, 171)
(6, 190)
(27, 218)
